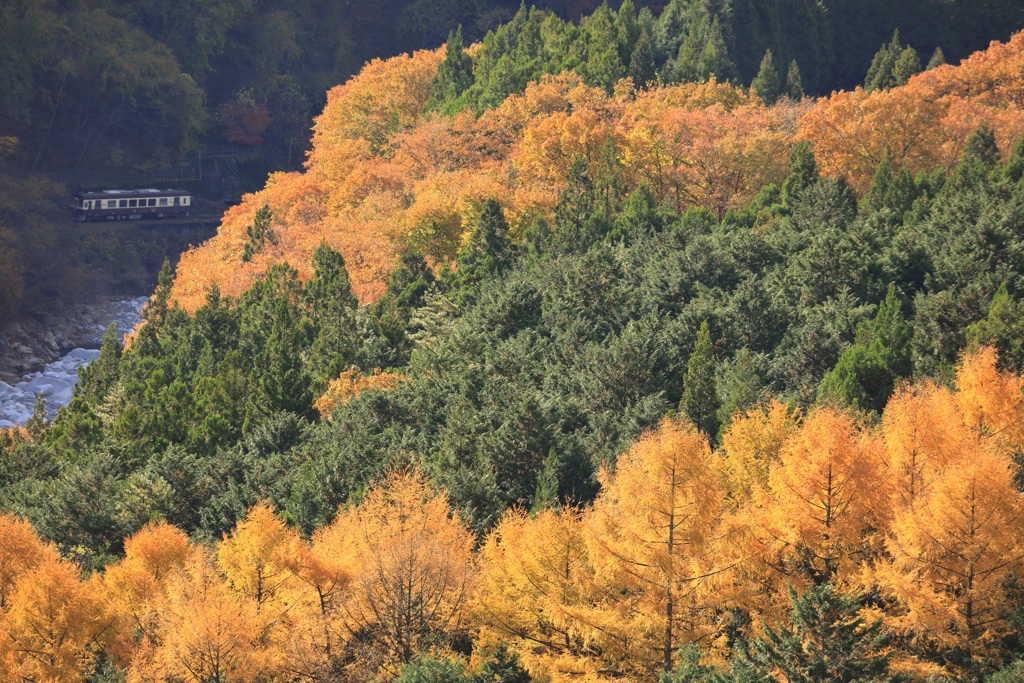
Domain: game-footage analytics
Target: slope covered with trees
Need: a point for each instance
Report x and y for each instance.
(809, 543)
(685, 381)
(388, 178)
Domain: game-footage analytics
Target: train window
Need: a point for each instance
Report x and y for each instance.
(185, 201)
(122, 204)
(163, 201)
(132, 202)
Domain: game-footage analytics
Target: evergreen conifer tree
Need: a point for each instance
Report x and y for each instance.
(604, 66)
(548, 482)
(794, 83)
(627, 30)
(766, 84)
(454, 75)
(938, 59)
(906, 66)
(880, 74)
(641, 64)
(803, 172)
(487, 250)
(869, 369)
(36, 425)
(332, 311)
(100, 375)
(700, 394)
(259, 233)
(827, 642)
(1015, 164)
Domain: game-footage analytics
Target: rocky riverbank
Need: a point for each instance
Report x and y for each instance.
(42, 355)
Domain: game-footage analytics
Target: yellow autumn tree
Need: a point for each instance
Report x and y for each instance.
(134, 586)
(752, 443)
(207, 632)
(923, 433)
(952, 555)
(828, 492)
(817, 518)
(536, 592)
(52, 622)
(991, 400)
(652, 534)
(20, 552)
(413, 569)
(325, 567)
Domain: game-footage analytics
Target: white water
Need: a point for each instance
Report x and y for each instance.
(56, 381)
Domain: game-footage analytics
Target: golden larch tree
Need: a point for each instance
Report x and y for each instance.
(134, 586)
(923, 433)
(414, 570)
(754, 441)
(953, 552)
(826, 496)
(52, 623)
(207, 632)
(652, 534)
(536, 592)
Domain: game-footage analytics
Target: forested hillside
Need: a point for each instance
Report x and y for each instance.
(570, 357)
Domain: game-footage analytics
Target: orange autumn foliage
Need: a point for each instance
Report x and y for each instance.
(924, 124)
(653, 541)
(350, 384)
(536, 591)
(50, 620)
(384, 177)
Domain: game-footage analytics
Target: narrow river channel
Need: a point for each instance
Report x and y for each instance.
(56, 381)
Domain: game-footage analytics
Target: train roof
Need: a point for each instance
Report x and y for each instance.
(130, 194)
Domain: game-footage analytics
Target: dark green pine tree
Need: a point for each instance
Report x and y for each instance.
(332, 312)
(704, 52)
(454, 75)
(881, 74)
(604, 67)
(502, 667)
(700, 393)
(641, 64)
(670, 30)
(938, 59)
(578, 221)
(715, 59)
(906, 66)
(794, 83)
(1002, 328)
(488, 248)
(546, 494)
(1015, 164)
(874, 200)
(259, 233)
(274, 334)
(766, 84)
(979, 166)
(627, 30)
(36, 424)
(154, 313)
(803, 172)
(99, 376)
(827, 641)
(639, 217)
(868, 370)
